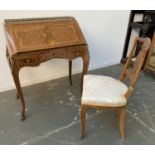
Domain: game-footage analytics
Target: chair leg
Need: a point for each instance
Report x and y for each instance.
(83, 121)
(122, 122)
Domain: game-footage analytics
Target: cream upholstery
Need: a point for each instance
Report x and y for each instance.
(103, 90)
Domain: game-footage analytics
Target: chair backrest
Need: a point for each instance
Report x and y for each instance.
(138, 63)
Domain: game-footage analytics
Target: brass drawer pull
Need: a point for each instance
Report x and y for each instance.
(77, 52)
(28, 61)
(54, 54)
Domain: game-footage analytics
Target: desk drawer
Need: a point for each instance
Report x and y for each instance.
(74, 52)
(54, 53)
(31, 60)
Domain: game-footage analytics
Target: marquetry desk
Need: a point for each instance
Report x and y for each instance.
(29, 42)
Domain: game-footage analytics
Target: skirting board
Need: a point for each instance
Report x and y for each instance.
(75, 71)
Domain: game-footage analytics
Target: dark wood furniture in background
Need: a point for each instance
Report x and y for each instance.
(150, 61)
(146, 28)
(33, 41)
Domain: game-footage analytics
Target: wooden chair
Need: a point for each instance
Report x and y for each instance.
(103, 92)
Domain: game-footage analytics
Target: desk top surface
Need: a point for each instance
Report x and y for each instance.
(25, 35)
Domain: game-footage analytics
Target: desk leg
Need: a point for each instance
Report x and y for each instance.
(70, 72)
(17, 96)
(15, 74)
(85, 59)
(19, 93)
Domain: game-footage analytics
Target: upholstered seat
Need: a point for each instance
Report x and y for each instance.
(103, 90)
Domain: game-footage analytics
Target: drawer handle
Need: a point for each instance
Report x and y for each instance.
(27, 61)
(77, 52)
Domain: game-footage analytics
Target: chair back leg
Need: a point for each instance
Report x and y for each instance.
(122, 121)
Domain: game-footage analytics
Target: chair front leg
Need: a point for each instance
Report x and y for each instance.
(122, 121)
(83, 120)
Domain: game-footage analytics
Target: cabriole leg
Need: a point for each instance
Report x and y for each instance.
(70, 72)
(19, 93)
(85, 67)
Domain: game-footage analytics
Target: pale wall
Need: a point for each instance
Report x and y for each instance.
(104, 31)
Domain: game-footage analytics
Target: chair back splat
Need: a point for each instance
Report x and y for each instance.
(138, 63)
